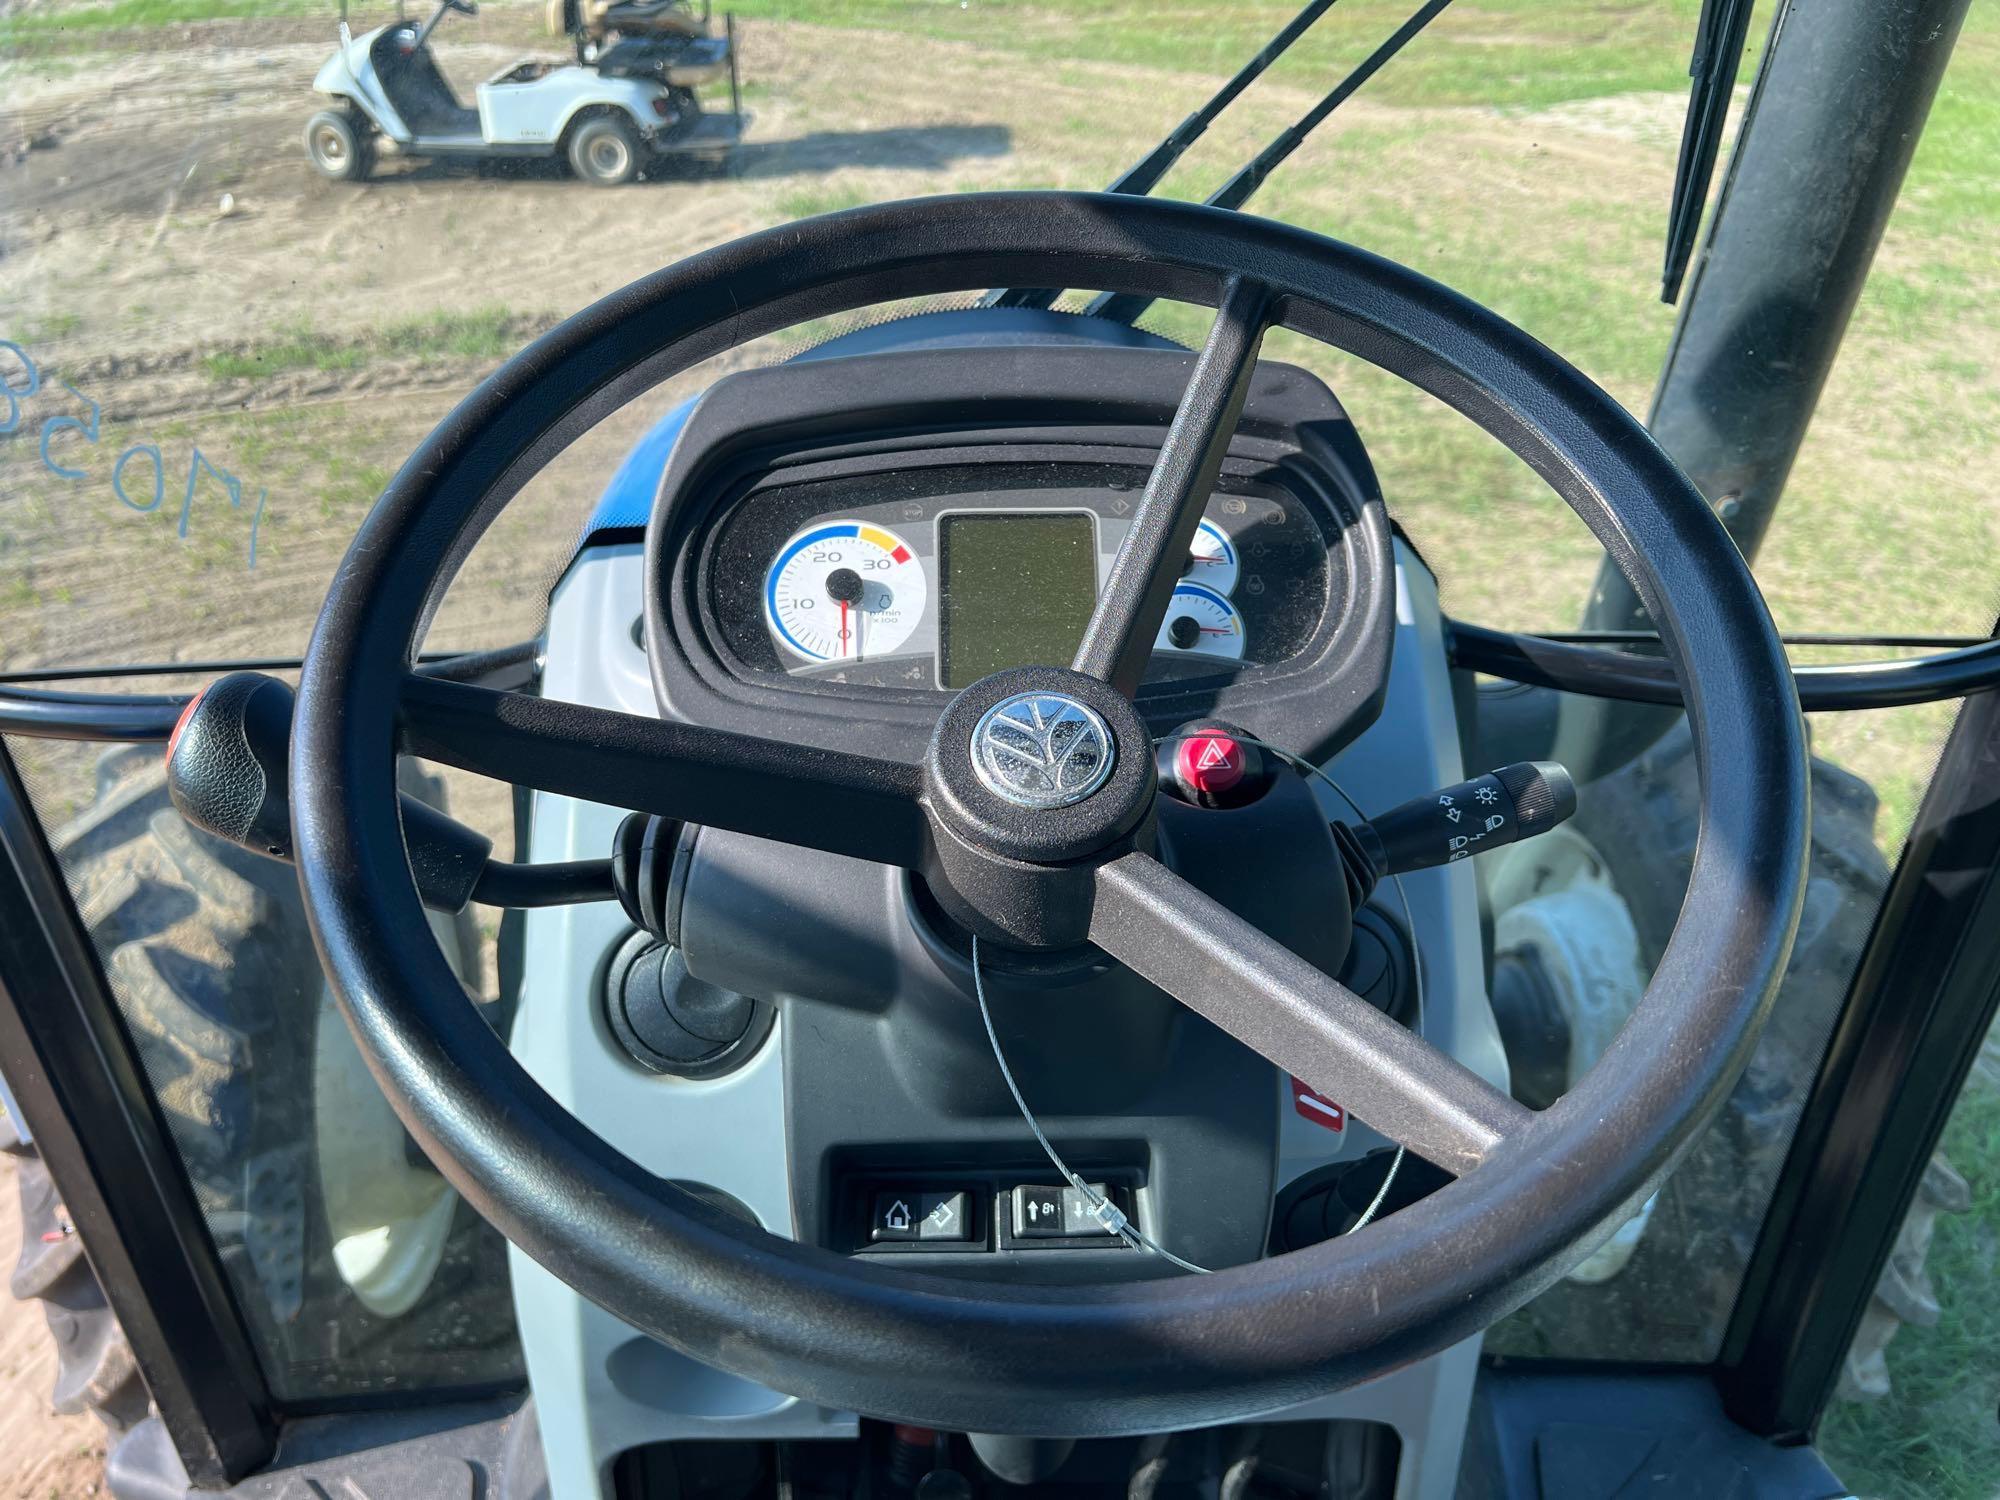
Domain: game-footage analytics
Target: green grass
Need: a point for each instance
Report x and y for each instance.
(300, 348)
(482, 333)
(43, 330)
(53, 23)
(1934, 1435)
(806, 203)
(1523, 55)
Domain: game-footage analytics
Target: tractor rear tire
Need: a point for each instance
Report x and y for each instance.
(221, 992)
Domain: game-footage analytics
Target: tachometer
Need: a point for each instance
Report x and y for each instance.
(844, 591)
(1200, 622)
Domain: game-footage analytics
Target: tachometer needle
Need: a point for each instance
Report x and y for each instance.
(843, 627)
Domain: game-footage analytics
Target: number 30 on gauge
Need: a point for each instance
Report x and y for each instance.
(844, 591)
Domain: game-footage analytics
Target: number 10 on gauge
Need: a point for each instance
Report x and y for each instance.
(844, 590)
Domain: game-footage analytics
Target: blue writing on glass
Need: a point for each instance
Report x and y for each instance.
(92, 431)
(256, 521)
(14, 392)
(229, 482)
(159, 476)
(55, 425)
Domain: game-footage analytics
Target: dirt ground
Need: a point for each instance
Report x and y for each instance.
(42, 1456)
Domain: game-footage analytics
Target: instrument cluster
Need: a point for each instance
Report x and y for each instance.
(933, 578)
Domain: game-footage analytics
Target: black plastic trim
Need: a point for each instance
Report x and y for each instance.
(72, 1070)
(1922, 1000)
(149, 718)
(1594, 671)
(111, 718)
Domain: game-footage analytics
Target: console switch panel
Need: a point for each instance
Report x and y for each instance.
(1056, 1213)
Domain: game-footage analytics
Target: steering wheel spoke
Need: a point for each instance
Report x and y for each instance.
(1118, 641)
(1276, 1003)
(845, 804)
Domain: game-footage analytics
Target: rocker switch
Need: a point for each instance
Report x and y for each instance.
(1038, 1213)
(1056, 1213)
(911, 1214)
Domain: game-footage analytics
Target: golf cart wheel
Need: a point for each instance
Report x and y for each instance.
(339, 148)
(604, 151)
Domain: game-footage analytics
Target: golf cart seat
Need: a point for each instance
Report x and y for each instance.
(594, 20)
(410, 78)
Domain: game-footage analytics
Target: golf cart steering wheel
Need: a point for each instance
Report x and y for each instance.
(1535, 1191)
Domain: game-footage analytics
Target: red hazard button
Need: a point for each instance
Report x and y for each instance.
(1209, 763)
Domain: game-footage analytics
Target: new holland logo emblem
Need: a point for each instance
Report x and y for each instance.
(1042, 750)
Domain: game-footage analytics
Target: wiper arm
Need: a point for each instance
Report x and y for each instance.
(1718, 52)
(1126, 307)
(1144, 175)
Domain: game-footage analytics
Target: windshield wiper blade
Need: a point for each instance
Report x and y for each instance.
(1126, 307)
(1144, 175)
(1718, 53)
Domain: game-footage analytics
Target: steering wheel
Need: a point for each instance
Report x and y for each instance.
(1534, 1192)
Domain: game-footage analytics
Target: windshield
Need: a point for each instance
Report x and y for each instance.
(236, 353)
(254, 252)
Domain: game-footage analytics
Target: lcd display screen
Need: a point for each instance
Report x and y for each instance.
(1016, 590)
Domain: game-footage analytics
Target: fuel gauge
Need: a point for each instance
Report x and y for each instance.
(1200, 622)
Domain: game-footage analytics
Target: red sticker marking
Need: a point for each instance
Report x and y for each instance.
(1316, 1107)
(901, 555)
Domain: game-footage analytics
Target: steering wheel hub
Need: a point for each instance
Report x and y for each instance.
(1042, 750)
(1034, 777)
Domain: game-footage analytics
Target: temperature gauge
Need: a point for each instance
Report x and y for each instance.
(1212, 559)
(844, 591)
(1200, 622)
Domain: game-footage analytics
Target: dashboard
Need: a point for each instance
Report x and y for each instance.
(952, 519)
(936, 578)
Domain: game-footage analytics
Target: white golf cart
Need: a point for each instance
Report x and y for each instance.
(608, 121)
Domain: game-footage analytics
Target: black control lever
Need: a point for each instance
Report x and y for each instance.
(226, 773)
(1455, 822)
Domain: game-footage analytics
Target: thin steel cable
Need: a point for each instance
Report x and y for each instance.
(1299, 762)
(1103, 1210)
